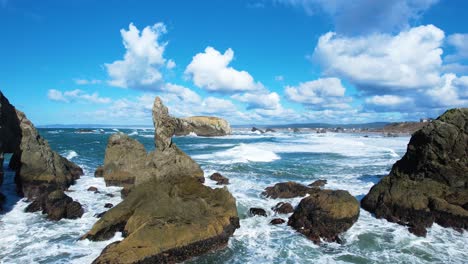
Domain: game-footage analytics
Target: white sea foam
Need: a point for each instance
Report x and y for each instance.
(134, 133)
(70, 154)
(240, 154)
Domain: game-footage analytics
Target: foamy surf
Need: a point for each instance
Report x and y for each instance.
(240, 154)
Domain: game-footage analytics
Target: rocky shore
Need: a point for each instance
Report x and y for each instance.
(430, 183)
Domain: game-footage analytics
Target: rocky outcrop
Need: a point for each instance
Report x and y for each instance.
(430, 183)
(39, 170)
(325, 214)
(56, 205)
(127, 163)
(219, 179)
(286, 190)
(205, 126)
(167, 221)
(168, 215)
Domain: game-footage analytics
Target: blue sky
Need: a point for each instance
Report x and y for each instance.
(250, 61)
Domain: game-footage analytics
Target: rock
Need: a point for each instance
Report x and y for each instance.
(205, 126)
(99, 172)
(277, 221)
(318, 183)
(286, 190)
(296, 130)
(430, 183)
(2, 201)
(124, 192)
(56, 205)
(188, 219)
(99, 215)
(257, 211)
(219, 179)
(128, 164)
(254, 129)
(283, 208)
(270, 130)
(109, 195)
(92, 189)
(39, 170)
(84, 131)
(108, 205)
(325, 214)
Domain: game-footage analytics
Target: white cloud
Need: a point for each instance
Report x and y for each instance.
(321, 93)
(76, 96)
(409, 60)
(262, 100)
(170, 64)
(366, 16)
(388, 100)
(451, 93)
(210, 70)
(87, 82)
(143, 59)
(459, 41)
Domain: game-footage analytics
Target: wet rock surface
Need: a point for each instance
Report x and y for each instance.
(286, 190)
(257, 211)
(219, 179)
(283, 208)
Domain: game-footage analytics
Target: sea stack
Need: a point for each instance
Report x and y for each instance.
(430, 183)
(172, 217)
(39, 170)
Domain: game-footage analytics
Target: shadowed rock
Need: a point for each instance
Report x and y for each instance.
(430, 183)
(57, 205)
(325, 214)
(39, 170)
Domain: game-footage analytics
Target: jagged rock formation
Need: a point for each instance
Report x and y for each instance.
(205, 126)
(169, 215)
(127, 163)
(430, 183)
(39, 170)
(325, 214)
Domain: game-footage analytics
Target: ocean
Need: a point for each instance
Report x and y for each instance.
(252, 162)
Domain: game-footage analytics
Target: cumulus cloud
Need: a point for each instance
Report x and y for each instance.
(452, 92)
(383, 62)
(87, 82)
(210, 70)
(366, 16)
(143, 59)
(459, 42)
(263, 100)
(76, 96)
(320, 93)
(388, 100)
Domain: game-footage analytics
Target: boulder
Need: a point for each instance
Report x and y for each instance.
(277, 221)
(257, 211)
(127, 163)
(325, 214)
(286, 190)
(56, 205)
(99, 172)
(283, 208)
(39, 170)
(92, 189)
(167, 221)
(205, 126)
(254, 129)
(318, 183)
(430, 183)
(219, 179)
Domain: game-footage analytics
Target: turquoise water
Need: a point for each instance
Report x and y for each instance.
(251, 162)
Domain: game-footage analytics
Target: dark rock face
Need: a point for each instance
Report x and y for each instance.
(219, 179)
(430, 183)
(197, 218)
(286, 190)
(39, 170)
(168, 215)
(325, 214)
(108, 205)
(257, 211)
(277, 221)
(318, 183)
(56, 205)
(254, 129)
(283, 208)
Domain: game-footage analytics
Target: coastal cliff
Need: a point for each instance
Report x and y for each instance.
(40, 171)
(169, 215)
(430, 183)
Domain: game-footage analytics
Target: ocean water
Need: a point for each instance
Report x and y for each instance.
(251, 162)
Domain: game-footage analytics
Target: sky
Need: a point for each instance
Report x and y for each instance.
(249, 61)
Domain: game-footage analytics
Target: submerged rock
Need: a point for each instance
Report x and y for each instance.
(188, 219)
(283, 208)
(277, 221)
(205, 126)
(430, 183)
(286, 190)
(219, 179)
(325, 214)
(257, 211)
(39, 170)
